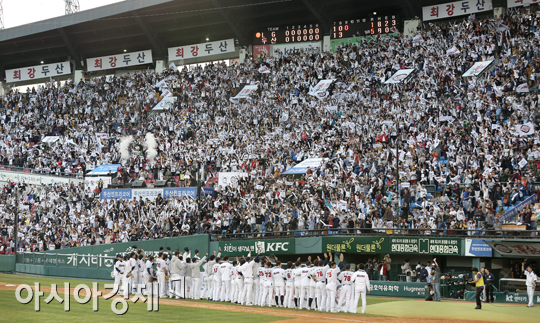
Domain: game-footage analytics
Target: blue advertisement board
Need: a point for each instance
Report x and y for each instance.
(152, 193)
(477, 248)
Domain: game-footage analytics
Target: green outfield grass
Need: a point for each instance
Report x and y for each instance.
(12, 311)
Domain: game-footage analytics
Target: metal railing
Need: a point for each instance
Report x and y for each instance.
(27, 170)
(473, 234)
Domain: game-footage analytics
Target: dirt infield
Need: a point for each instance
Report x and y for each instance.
(296, 316)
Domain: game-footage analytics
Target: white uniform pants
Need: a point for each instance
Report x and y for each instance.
(126, 285)
(313, 293)
(530, 293)
(147, 284)
(141, 283)
(247, 294)
(344, 296)
(304, 293)
(176, 286)
(196, 283)
(268, 294)
(189, 286)
(208, 287)
(161, 284)
(232, 294)
(331, 298)
(289, 291)
(359, 293)
(217, 289)
(297, 290)
(225, 291)
(260, 289)
(279, 291)
(239, 290)
(117, 281)
(321, 292)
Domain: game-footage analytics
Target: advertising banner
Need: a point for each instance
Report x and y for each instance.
(517, 249)
(152, 193)
(230, 178)
(398, 289)
(35, 179)
(355, 244)
(498, 297)
(429, 246)
(291, 48)
(266, 247)
(477, 248)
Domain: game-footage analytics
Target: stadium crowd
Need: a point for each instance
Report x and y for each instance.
(458, 134)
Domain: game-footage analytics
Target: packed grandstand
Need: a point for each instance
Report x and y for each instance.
(472, 140)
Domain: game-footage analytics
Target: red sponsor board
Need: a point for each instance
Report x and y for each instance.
(261, 50)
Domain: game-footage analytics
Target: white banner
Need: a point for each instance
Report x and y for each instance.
(291, 48)
(399, 76)
(322, 86)
(518, 3)
(161, 84)
(101, 137)
(166, 102)
(202, 49)
(477, 68)
(446, 118)
(454, 9)
(452, 51)
(50, 139)
(322, 95)
(92, 182)
(525, 129)
(263, 69)
(35, 179)
(246, 91)
(119, 61)
(173, 67)
(38, 72)
(418, 39)
(522, 88)
(230, 178)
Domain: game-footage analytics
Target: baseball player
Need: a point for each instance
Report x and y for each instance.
(188, 279)
(133, 273)
(162, 275)
(331, 287)
(305, 284)
(246, 270)
(217, 279)
(321, 282)
(313, 285)
(361, 284)
(256, 279)
(225, 271)
(209, 271)
(346, 283)
(268, 286)
(126, 277)
(289, 285)
(176, 266)
(148, 275)
(140, 273)
(297, 284)
(261, 274)
(234, 276)
(279, 283)
(118, 272)
(196, 274)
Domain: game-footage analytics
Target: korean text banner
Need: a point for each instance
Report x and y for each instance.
(477, 248)
(518, 3)
(119, 61)
(515, 248)
(246, 91)
(454, 9)
(428, 246)
(355, 244)
(38, 72)
(477, 68)
(201, 50)
(265, 247)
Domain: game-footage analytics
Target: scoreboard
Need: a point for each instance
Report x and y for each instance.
(362, 27)
(288, 34)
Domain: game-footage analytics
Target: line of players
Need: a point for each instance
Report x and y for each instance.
(246, 281)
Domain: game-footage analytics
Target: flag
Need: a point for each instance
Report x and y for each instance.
(322, 95)
(367, 32)
(263, 69)
(525, 129)
(161, 84)
(418, 39)
(173, 67)
(522, 88)
(502, 27)
(497, 90)
(452, 51)
(234, 100)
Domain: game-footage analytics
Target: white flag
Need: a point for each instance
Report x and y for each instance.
(322, 95)
(263, 69)
(173, 67)
(161, 84)
(234, 100)
(497, 90)
(452, 51)
(522, 88)
(525, 129)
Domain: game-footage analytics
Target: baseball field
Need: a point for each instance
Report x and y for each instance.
(378, 309)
